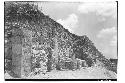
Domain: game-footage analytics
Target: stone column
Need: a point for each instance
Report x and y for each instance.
(26, 53)
(16, 56)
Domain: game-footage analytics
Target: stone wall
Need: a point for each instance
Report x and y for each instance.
(40, 44)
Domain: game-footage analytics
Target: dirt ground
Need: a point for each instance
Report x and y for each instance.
(84, 73)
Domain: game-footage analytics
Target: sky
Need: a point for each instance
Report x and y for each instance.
(97, 20)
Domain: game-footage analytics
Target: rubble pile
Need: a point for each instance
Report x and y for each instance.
(37, 44)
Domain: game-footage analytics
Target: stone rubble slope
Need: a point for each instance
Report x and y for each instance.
(35, 43)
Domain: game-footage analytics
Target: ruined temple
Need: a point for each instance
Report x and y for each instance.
(35, 43)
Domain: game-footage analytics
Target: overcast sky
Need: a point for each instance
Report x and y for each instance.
(97, 20)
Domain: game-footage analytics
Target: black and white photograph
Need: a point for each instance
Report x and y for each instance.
(51, 40)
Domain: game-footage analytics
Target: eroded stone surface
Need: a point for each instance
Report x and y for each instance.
(38, 44)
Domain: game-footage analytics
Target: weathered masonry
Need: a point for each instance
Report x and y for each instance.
(35, 43)
(18, 48)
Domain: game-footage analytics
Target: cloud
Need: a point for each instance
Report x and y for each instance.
(109, 51)
(69, 23)
(108, 42)
(100, 8)
(109, 34)
(113, 42)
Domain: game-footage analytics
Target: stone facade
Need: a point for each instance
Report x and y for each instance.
(39, 44)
